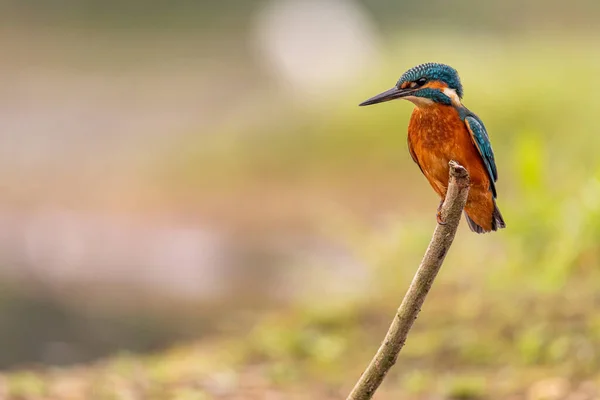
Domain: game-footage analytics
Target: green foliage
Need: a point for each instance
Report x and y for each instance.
(467, 387)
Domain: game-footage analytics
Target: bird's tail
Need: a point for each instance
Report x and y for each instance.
(497, 221)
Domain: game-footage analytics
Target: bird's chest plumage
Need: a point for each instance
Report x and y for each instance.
(436, 135)
(436, 129)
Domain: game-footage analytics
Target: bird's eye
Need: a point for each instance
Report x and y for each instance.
(421, 81)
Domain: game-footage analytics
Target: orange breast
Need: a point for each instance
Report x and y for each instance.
(436, 135)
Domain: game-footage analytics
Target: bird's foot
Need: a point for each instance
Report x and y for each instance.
(438, 216)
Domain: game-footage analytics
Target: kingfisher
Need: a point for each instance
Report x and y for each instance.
(441, 129)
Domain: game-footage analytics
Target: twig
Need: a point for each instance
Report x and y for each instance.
(385, 358)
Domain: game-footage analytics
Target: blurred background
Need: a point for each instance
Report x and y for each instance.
(193, 206)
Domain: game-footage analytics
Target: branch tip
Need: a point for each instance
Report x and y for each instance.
(457, 170)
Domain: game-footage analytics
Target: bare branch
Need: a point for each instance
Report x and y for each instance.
(385, 358)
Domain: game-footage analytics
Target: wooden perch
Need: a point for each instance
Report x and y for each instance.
(385, 358)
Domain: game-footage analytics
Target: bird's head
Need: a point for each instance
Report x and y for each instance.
(425, 84)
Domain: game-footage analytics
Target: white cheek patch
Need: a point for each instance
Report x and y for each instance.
(453, 96)
(419, 101)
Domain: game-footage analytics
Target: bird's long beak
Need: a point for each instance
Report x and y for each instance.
(393, 93)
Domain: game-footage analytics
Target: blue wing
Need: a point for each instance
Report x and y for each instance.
(482, 143)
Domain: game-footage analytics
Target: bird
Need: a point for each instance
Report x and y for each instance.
(441, 129)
